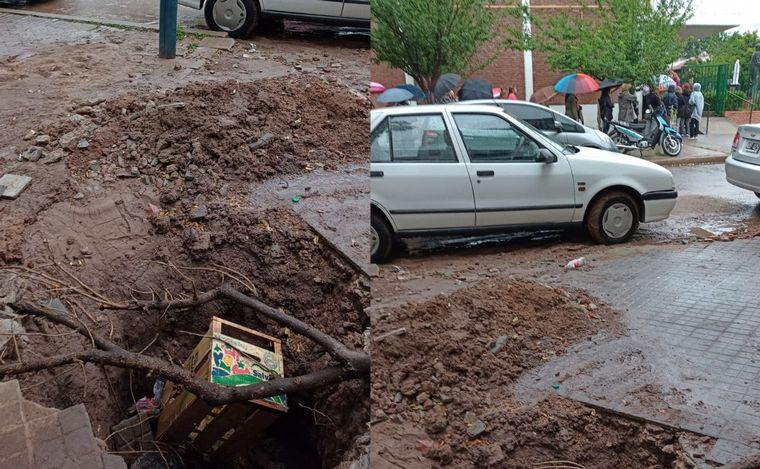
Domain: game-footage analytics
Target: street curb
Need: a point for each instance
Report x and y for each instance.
(102, 22)
(675, 161)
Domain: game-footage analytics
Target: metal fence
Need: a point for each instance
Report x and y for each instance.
(714, 80)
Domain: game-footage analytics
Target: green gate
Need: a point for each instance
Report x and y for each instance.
(714, 81)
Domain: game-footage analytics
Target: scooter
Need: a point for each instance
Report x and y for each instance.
(629, 136)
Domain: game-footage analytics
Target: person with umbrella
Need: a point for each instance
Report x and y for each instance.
(443, 92)
(572, 108)
(571, 85)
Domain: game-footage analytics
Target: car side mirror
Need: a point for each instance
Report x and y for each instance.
(557, 126)
(546, 156)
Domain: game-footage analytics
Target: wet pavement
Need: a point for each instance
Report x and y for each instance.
(689, 357)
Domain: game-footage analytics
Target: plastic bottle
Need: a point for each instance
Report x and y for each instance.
(575, 263)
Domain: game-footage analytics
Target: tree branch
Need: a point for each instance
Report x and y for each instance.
(354, 364)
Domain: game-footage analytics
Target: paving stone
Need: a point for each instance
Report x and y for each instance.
(13, 185)
(80, 442)
(10, 390)
(13, 440)
(74, 418)
(224, 43)
(111, 461)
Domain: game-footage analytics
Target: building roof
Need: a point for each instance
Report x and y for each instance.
(703, 30)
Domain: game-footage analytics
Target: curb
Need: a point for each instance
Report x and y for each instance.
(102, 22)
(675, 161)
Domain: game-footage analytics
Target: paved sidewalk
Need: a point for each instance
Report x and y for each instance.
(36, 437)
(691, 354)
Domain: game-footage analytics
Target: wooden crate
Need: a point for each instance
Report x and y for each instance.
(230, 355)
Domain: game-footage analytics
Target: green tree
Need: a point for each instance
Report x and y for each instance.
(625, 39)
(427, 38)
(724, 48)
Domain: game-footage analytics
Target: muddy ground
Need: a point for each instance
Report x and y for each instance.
(441, 390)
(143, 190)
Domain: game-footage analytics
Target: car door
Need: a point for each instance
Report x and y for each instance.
(417, 176)
(356, 9)
(330, 8)
(511, 187)
(540, 118)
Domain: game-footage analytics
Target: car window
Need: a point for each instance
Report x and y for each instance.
(489, 138)
(380, 147)
(568, 125)
(542, 119)
(420, 138)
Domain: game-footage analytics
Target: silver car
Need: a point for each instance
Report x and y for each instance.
(743, 165)
(554, 125)
(240, 17)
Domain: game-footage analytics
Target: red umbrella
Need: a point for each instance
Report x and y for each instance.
(576, 83)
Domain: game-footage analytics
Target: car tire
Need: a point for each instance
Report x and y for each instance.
(612, 218)
(382, 240)
(238, 21)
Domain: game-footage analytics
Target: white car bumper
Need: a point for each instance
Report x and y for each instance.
(658, 205)
(744, 175)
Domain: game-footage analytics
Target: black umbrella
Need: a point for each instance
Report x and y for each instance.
(445, 84)
(609, 84)
(416, 91)
(395, 95)
(475, 88)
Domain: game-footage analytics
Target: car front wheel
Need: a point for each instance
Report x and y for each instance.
(382, 240)
(612, 218)
(238, 18)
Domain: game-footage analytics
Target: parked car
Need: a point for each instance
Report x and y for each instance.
(743, 165)
(240, 17)
(456, 168)
(553, 124)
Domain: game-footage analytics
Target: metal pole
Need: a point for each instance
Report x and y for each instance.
(167, 30)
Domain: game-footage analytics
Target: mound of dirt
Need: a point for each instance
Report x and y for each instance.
(215, 133)
(442, 387)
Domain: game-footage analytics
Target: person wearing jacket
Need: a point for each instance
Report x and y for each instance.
(684, 110)
(605, 109)
(572, 108)
(628, 103)
(698, 101)
(671, 105)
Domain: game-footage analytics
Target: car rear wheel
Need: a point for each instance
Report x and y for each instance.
(238, 18)
(382, 240)
(612, 218)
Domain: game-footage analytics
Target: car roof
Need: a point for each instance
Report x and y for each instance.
(505, 101)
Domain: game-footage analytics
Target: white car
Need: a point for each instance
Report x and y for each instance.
(743, 165)
(473, 168)
(240, 17)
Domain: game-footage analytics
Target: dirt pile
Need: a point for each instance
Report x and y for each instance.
(212, 133)
(444, 375)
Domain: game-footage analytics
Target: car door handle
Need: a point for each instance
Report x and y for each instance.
(485, 173)
(375, 174)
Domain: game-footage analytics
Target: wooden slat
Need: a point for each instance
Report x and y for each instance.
(180, 427)
(245, 434)
(230, 417)
(217, 322)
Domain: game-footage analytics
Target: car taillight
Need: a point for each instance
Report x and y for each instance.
(735, 145)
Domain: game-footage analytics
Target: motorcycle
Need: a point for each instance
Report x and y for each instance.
(633, 136)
